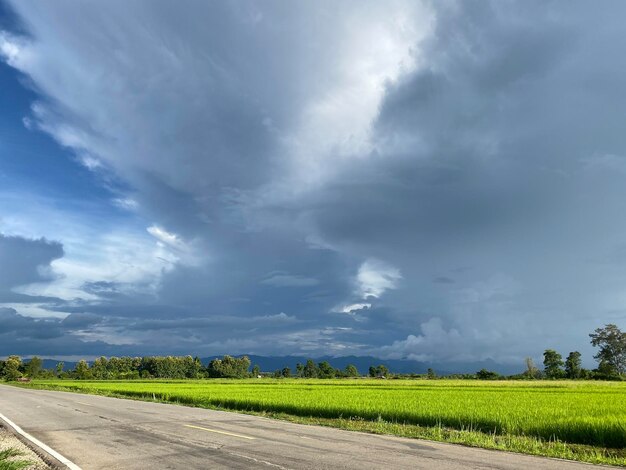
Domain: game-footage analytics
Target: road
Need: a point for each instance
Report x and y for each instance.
(98, 432)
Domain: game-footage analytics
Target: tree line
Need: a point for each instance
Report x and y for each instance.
(610, 341)
(611, 357)
(171, 367)
(121, 368)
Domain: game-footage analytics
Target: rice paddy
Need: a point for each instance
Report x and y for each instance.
(579, 420)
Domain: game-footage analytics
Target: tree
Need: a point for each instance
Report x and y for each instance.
(531, 370)
(299, 369)
(431, 374)
(325, 370)
(484, 374)
(59, 368)
(573, 368)
(351, 371)
(256, 371)
(82, 370)
(286, 372)
(12, 368)
(552, 363)
(612, 343)
(33, 367)
(310, 369)
(229, 367)
(379, 371)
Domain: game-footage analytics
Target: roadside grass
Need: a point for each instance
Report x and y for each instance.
(8, 460)
(584, 421)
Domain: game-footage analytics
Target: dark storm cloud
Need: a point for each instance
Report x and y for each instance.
(15, 325)
(477, 209)
(24, 261)
(483, 158)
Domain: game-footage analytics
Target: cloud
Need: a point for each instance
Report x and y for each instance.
(25, 327)
(351, 308)
(25, 261)
(166, 237)
(434, 342)
(375, 277)
(289, 280)
(455, 167)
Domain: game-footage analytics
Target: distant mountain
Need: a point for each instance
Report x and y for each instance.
(52, 363)
(362, 363)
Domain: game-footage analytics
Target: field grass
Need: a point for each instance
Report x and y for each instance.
(576, 420)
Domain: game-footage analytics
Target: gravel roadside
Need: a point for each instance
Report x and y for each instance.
(9, 441)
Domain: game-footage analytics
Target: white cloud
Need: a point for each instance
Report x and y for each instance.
(433, 342)
(126, 203)
(95, 250)
(375, 277)
(379, 45)
(12, 50)
(170, 239)
(351, 308)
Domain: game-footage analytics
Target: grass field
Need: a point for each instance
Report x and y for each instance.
(576, 420)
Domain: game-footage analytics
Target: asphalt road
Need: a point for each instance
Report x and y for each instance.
(110, 433)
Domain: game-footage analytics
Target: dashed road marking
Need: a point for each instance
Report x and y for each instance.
(219, 432)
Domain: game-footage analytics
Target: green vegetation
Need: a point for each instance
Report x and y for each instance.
(9, 462)
(612, 355)
(576, 419)
(569, 419)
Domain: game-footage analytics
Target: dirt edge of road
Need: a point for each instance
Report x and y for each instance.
(41, 458)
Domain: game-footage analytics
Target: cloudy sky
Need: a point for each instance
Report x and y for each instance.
(437, 181)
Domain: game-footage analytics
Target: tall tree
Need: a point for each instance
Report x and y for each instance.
(82, 370)
(33, 367)
(531, 370)
(310, 369)
(552, 363)
(351, 371)
(325, 370)
(12, 368)
(612, 343)
(573, 367)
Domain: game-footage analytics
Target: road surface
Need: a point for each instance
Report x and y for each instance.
(98, 432)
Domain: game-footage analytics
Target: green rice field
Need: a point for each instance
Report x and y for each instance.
(578, 420)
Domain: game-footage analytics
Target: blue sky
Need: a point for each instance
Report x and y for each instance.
(437, 181)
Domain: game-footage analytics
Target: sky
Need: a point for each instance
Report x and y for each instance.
(437, 181)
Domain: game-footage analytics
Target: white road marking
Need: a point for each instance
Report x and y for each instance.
(219, 432)
(65, 461)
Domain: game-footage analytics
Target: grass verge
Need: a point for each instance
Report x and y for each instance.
(8, 460)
